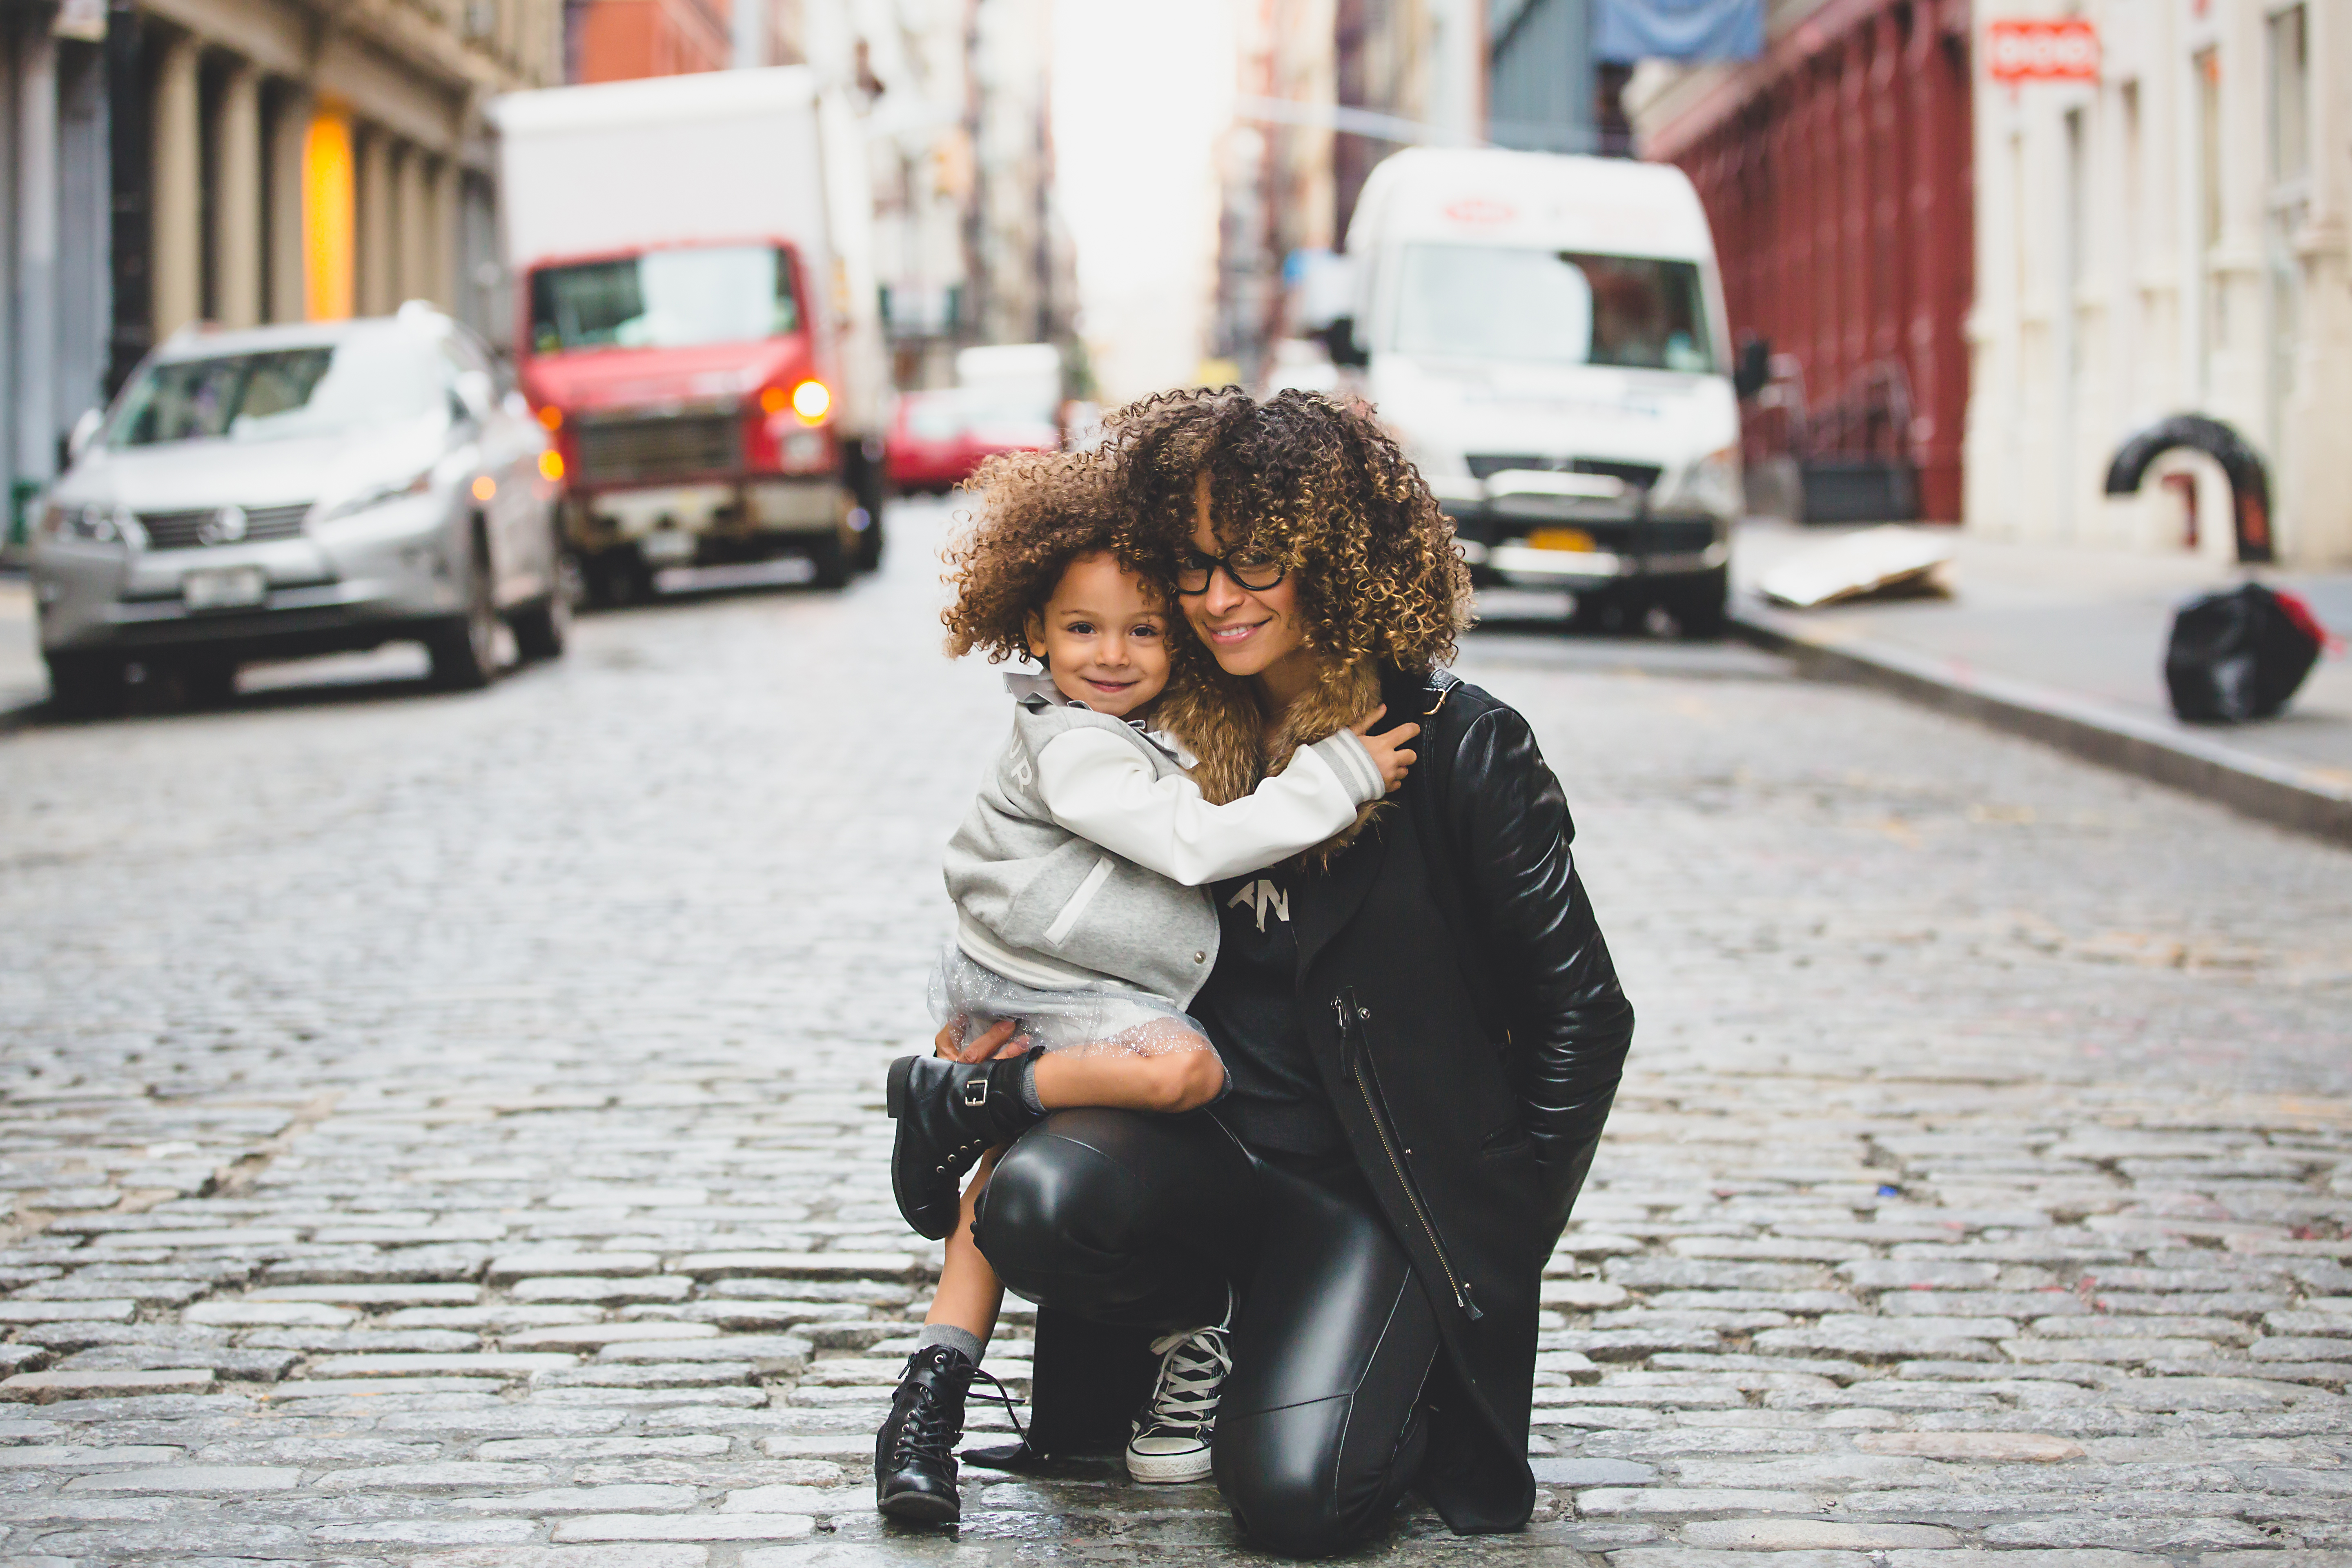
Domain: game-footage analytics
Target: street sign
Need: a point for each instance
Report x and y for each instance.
(2017, 50)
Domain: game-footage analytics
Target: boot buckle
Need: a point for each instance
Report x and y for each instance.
(975, 1091)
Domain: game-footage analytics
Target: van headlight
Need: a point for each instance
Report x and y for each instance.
(1711, 485)
(93, 524)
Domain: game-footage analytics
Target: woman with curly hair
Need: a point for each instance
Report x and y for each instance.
(1421, 1024)
(1080, 920)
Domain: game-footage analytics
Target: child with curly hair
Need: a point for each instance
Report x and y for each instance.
(1083, 926)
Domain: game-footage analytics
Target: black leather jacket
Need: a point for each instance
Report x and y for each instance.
(1468, 1024)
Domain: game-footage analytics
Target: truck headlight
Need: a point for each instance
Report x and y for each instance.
(93, 524)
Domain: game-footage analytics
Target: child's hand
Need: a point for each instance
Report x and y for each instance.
(1388, 750)
(981, 1049)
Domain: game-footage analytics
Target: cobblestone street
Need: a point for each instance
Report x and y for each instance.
(448, 1129)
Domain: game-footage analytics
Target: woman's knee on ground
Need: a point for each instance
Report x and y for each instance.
(1282, 1473)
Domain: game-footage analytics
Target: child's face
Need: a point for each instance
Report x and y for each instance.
(1103, 637)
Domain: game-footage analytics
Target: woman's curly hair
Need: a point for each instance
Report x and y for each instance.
(1317, 483)
(1035, 513)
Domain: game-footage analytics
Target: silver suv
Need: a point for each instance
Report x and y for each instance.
(299, 490)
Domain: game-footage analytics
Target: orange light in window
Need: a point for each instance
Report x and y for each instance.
(774, 399)
(551, 416)
(550, 464)
(485, 488)
(811, 401)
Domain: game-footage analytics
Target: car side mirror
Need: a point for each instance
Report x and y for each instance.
(476, 394)
(1339, 338)
(85, 431)
(1754, 369)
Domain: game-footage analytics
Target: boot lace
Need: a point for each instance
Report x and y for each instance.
(1193, 1367)
(928, 1432)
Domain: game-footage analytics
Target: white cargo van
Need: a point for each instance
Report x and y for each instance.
(1545, 335)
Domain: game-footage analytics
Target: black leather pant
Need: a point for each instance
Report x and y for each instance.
(1130, 1218)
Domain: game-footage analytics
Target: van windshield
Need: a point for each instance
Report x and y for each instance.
(1556, 307)
(665, 300)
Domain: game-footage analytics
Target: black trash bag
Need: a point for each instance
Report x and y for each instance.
(2239, 654)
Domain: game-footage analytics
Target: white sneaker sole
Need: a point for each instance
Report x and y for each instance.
(1168, 1469)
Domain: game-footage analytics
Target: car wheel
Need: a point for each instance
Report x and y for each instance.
(1698, 605)
(85, 685)
(831, 560)
(1601, 613)
(464, 649)
(869, 543)
(541, 629)
(619, 576)
(206, 682)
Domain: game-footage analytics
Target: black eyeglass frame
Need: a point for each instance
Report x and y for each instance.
(1225, 563)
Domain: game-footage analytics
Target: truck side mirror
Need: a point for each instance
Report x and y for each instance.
(1754, 369)
(1339, 338)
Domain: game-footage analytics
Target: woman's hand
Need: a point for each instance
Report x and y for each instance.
(981, 1047)
(1388, 750)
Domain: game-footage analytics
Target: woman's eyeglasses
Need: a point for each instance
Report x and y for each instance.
(1249, 569)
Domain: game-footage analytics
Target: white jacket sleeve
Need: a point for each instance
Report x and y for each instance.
(1099, 788)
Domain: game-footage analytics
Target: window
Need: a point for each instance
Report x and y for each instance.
(666, 300)
(371, 378)
(2290, 95)
(1557, 307)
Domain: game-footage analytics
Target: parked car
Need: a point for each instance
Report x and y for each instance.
(299, 490)
(939, 438)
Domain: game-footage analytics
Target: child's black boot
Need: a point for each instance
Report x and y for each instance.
(914, 1454)
(948, 1115)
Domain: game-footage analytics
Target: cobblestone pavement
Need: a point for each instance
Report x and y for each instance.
(447, 1130)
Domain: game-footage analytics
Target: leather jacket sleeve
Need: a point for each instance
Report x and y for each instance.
(1570, 1022)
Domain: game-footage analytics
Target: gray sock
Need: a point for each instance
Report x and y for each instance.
(955, 1339)
(1029, 1084)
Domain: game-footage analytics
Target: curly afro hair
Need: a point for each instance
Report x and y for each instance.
(1035, 513)
(1321, 486)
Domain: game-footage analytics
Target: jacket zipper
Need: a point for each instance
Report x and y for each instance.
(1350, 1015)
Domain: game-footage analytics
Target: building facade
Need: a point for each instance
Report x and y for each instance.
(241, 161)
(2169, 238)
(1836, 172)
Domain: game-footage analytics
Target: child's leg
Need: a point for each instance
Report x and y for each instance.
(970, 1292)
(1122, 1081)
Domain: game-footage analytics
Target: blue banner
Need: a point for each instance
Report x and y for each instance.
(1628, 30)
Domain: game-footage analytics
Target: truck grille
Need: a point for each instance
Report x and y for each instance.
(1637, 476)
(189, 530)
(673, 447)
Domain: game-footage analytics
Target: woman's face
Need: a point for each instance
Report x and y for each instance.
(1252, 632)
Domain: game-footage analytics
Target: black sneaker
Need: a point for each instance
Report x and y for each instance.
(1171, 1437)
(914, 1454)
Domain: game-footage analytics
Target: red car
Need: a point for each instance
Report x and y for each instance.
(937, 438)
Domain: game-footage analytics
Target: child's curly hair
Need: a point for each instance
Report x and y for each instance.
(1035, 513)
(1318, 484)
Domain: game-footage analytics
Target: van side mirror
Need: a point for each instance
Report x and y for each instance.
(1339, 338)
(1754, 369)
(85, 431)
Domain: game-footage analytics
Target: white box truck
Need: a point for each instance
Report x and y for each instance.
(1546, 336)
(697, 321)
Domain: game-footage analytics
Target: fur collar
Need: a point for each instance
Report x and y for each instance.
(1220, 723)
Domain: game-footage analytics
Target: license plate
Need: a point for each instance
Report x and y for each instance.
(1559, 539)
(668, 546)
(230, 588)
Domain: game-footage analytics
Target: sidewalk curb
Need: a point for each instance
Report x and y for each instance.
(2302, 799)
